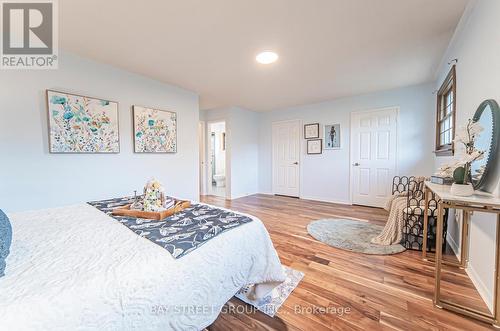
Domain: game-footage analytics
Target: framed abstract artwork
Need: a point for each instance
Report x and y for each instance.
(80, 124)
(155, 131)
(315, 146)
(311, 131)
(332, 136)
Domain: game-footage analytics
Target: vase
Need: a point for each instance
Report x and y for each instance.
(462, 190)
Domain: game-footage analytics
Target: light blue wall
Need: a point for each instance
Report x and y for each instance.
(31, 178)
(326, 176)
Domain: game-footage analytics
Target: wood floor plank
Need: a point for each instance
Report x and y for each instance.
(390, 292)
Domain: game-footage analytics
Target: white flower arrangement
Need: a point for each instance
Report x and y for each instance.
(460, 169)
(154, 196)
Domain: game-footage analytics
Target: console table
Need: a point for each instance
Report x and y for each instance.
(481, 202)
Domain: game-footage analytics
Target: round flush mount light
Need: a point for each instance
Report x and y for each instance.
(267, 57)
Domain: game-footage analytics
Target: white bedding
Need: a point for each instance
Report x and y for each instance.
(75, 268)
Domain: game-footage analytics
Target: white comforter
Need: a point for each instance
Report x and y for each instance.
(75, 268)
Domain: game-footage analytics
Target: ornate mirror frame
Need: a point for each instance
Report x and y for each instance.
(489, 179)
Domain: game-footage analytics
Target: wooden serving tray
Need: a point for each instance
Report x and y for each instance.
(151, 215)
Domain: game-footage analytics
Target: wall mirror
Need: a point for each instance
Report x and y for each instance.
(485, 172)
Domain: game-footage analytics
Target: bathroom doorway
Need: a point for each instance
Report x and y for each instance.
(217, 159)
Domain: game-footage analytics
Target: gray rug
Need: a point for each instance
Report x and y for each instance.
(351, 235)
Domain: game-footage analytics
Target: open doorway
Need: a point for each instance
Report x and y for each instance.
(217, 158)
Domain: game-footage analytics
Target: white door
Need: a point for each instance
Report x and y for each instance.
(286, 155)
(373, 155)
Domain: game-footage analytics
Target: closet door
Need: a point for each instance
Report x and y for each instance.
(373, 155)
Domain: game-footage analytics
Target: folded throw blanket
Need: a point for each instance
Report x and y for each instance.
(393, 230)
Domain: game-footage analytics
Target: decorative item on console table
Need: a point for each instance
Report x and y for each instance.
(461, 170)
(442, 180)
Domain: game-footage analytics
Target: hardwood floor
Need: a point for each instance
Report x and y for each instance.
(392, 292)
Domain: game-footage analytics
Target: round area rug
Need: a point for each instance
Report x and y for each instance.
(351, 235)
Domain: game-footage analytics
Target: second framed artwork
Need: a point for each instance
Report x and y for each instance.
(314, 146)
(155, 130)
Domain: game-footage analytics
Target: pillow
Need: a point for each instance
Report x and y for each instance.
(5, 240)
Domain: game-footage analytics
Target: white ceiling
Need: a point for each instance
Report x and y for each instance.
(327, 48)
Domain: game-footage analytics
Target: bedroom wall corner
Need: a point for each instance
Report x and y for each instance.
(475, 45)
(242, 128)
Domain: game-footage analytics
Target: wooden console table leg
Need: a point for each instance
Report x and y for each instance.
(439, 252)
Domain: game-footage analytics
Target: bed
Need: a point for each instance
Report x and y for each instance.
(76, 268)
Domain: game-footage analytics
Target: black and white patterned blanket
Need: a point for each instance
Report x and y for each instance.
(180, 233)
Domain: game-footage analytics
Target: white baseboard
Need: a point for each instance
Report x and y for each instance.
(241, 196)
(454, 246)
(483, 290)
(322, 199)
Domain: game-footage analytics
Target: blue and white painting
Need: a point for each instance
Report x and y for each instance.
(155, 131)
(79, 124)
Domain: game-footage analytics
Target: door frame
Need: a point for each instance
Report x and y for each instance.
(375, 110)
(208, 182)
(202, 127)
(301, 149)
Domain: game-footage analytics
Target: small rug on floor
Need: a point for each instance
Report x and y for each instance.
(270, 304)
(351, 235)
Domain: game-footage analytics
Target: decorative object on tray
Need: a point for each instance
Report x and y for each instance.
(311, 131)
(137, 205)
(154, 196)
(80, 124)
(461, 170)
(154, 204)
(332, 136)
(315, 146)
(155, 131)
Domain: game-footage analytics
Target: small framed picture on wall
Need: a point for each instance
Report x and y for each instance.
(311, 131)
(315, 146)
(332, 136)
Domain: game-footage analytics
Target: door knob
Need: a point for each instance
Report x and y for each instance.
(296, 163)
(356, 164)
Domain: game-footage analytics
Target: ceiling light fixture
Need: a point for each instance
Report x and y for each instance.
(267, 57)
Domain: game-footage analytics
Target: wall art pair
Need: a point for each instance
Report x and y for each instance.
(331, 137)
(82, 124)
